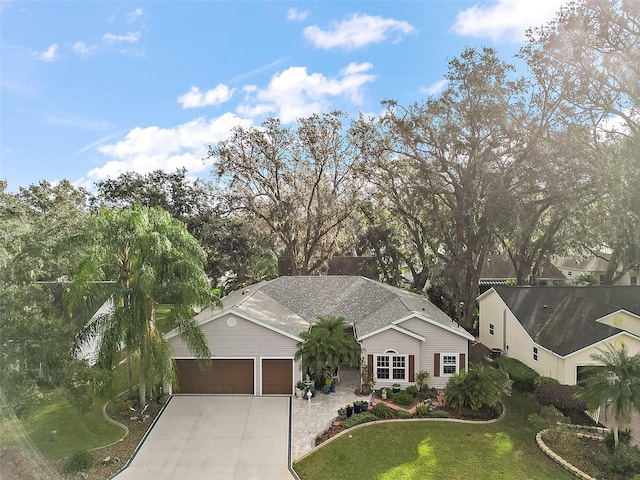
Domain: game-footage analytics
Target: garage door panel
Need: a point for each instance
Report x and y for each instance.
(223, 376)
(277, 376)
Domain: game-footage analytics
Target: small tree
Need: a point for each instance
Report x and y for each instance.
(327, 345)
(477, 387)
(615, 383)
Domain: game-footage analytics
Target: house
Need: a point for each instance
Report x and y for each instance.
(573, 267)
(254, 336)
(555, 330)
(499, 270)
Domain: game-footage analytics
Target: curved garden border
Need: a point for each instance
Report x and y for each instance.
(115, 422)
(559, 460)
(457, 420)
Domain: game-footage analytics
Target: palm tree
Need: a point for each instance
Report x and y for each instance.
(150, 259)
(327, 345)
(616, 383)
(479, 386)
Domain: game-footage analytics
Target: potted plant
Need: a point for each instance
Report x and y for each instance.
(395, 388)
(349, 410)
(300, 388)
(356, 406)
(364, 406)
(342, 413)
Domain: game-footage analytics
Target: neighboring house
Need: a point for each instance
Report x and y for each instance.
(555, 330)
(254, 336)
(498, 270)
(573, 267)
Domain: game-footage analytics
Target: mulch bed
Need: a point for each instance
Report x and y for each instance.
(485, 413)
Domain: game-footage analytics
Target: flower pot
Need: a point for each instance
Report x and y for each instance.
(364, 407)
(395, 389)
(356, 408)
(349, 411)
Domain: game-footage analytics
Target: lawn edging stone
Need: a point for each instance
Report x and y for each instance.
(559, 460)
(115, 422)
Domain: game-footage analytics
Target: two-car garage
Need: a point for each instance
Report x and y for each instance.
(236, 376)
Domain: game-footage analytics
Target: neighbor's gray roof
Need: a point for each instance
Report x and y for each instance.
(563, 319)
(293, 304)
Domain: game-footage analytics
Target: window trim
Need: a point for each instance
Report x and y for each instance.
(390, 354)
(442, 364)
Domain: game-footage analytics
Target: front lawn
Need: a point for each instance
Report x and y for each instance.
(436, 450)
(75, 430)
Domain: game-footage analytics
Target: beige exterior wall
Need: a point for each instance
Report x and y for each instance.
(583, 357)
(437, 340)
(520, 346)
(231, 336)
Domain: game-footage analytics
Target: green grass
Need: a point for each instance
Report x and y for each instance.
(436, 450)
(75, 431)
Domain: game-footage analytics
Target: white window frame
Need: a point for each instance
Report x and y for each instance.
(443, 364)
(491, 329)
(535, 354)
(391, 355)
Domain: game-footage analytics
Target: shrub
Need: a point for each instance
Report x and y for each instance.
(81, 460)
(354, 420)
(545, 380)
(412, 390)
(403, 398)
(404, 414)
(381, 410)
(479, 386)
(23, 395)
(548, 417)
(438, 414)
(563, 398)
(624, 436)
(523, 376)
(625, 461)
(422, 410)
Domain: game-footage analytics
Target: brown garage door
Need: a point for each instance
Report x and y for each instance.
(231, 376)
(277, 377)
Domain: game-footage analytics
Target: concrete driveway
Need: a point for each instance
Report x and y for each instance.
(216, 437)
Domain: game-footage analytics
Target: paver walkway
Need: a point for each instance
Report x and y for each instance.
(311, 418)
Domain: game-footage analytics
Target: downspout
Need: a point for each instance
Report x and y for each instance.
(504, 331)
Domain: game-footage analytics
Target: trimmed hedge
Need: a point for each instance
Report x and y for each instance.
(563, 398)
(402, 398)
(354, 420)
(523, 377)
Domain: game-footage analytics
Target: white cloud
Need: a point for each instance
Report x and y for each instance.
(435, 88)
(83, 50)
(133, 16)
(50, 55)
(145, 149)
(359, 30)
(194, 98)
(294, 93)
(505, 18)
(131, 37)
(297, 15)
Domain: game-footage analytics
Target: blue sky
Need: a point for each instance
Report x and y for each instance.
(90, 89)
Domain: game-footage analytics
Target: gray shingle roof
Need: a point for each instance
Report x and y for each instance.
(563, 319)
(293, 304)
